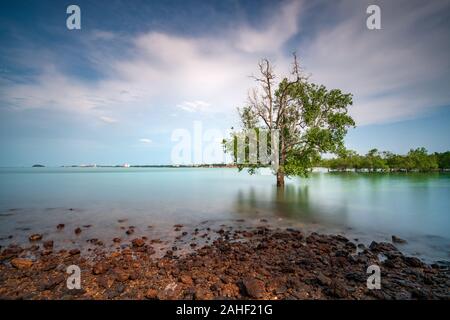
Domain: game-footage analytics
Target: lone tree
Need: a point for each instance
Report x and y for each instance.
(309, 119)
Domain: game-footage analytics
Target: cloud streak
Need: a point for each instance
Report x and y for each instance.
(398, 72)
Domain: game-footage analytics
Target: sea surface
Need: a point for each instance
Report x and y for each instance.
(362, 206)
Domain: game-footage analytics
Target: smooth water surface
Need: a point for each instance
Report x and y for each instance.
(366, 206)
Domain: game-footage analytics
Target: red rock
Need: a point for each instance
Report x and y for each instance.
(20, 263)
(186, 279)
(253, 287)
(35, 237)
(48, 244)
(100, 268)
(138, 242)
(151, 294)
(74, 252)
(121, 275)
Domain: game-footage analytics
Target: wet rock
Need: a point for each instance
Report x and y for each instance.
(21, 263)
(46, 252)
(74, 252)
(396, 239)
(60, 226)
(117, 240)
(129, 231)
(138, 242)
(151, 294)
(202, 294)
(35, 237)
(52, 282)
(48, 244)
(413, 262)
(254, 288)
(77, 230)
(100, 268)
(121, 275)
(382, 247)
(323, 280)
(339, 290)
(186, 279)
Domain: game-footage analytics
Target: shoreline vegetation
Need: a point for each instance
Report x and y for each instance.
(416, 160)
(259, 262)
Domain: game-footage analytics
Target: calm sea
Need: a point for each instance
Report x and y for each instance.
(362, 206)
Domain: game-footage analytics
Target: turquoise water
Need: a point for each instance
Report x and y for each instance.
(364, 206)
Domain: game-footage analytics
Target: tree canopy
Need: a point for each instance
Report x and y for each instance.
(415, 160)
(309, 118)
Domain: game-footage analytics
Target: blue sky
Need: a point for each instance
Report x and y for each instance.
(115, 91)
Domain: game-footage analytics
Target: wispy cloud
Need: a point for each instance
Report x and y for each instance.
(398, 72)
(106, 119)
(145, 140)
(194, 106)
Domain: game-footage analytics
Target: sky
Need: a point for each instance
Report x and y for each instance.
(118, 89)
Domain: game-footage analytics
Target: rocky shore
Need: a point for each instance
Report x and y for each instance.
(255, 263)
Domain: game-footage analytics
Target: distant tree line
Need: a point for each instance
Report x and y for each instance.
(415, 160)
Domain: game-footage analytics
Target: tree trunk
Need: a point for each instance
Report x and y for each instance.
(280, 179)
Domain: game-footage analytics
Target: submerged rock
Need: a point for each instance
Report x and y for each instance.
(35, 237)
(254, 288)
(138, 242)
(396, 239)
(20, 263)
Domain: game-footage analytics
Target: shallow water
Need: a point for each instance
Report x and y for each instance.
(364, 206)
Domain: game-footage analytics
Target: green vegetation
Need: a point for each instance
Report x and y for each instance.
(309, 118)
(374, 161)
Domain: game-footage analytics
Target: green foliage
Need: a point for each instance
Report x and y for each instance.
(443, 160)
(309, 118)
(415, 160)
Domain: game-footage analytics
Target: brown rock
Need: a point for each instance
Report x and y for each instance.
(46, 252)
(121, 275)
(138, 242)
(323, 280)
(35, 237)
(203, 294)
(60, 226)
(117, 240)
(151, 294)
(74, 252)
(254, 288)
(77, 230)
(48, 244)
(396, 239)
(20, 263)
(186, 279)
(100, 268)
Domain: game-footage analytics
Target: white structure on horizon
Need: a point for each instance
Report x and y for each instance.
(126, 165)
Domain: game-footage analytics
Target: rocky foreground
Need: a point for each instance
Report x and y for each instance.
(260, 263)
